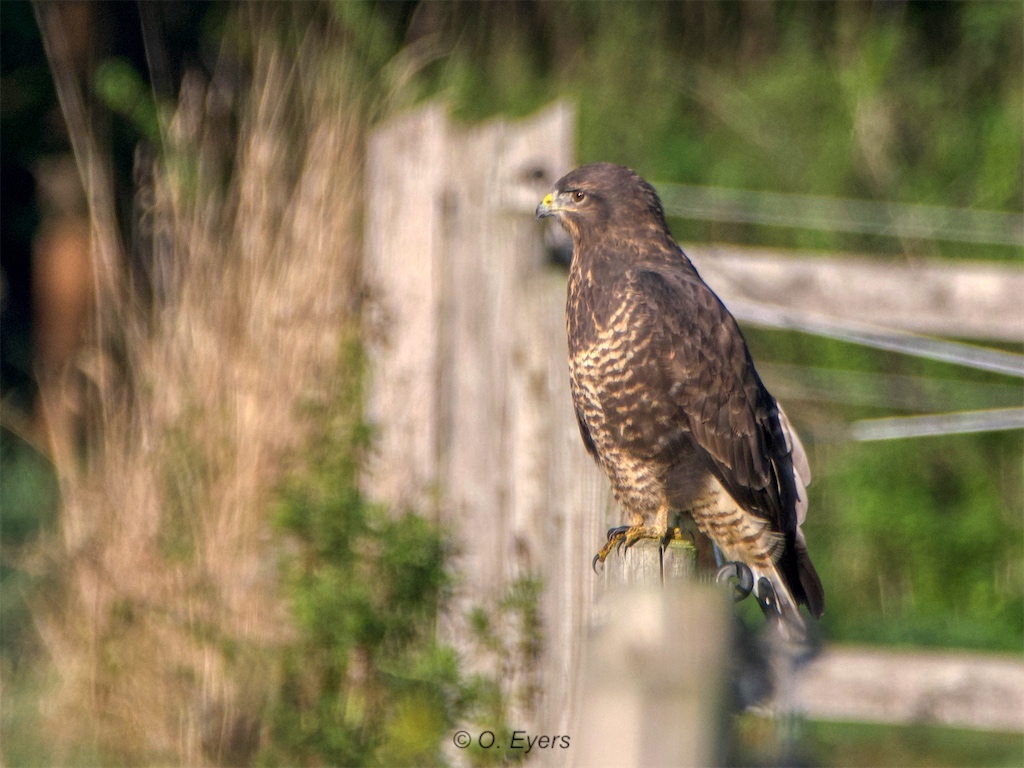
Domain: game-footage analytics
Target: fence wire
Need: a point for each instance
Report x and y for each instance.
(930, 222)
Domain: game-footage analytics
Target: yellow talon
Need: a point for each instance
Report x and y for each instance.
(626, 536)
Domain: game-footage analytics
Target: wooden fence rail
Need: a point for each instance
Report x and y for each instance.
(957, 689)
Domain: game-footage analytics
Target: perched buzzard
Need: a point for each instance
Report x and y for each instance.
(667, 398)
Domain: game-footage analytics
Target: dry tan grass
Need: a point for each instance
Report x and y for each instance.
(164, 622)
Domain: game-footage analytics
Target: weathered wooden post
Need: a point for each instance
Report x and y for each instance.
(653, 682)
(655, 672)
(469, 380)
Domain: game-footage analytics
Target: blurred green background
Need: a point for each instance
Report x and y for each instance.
(919, 542)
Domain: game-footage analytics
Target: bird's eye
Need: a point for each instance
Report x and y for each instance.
(578, 196)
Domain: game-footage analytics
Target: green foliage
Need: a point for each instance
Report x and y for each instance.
(841, 744)
(913, 104)
(509, 638)
(761, 741)
(28, 491)
(918, 541)
(124, 91)
(367, 684)
(29, 498)
(922, 546)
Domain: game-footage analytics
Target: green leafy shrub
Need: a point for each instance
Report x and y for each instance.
(367, 682)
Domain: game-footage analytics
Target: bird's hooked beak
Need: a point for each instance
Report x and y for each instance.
(547, 206)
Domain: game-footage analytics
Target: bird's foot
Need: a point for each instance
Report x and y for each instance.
(739, 577)
(625, 536)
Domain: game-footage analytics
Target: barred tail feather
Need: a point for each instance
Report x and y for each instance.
(814, 594)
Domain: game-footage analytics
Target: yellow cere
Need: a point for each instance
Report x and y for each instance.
(547, 199)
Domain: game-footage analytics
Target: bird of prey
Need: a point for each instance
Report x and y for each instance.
(667, 398)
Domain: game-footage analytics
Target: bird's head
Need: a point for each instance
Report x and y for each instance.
(599, 198)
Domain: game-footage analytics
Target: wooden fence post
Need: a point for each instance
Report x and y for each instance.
(652, 688)
(654, 678)
(469, 389)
